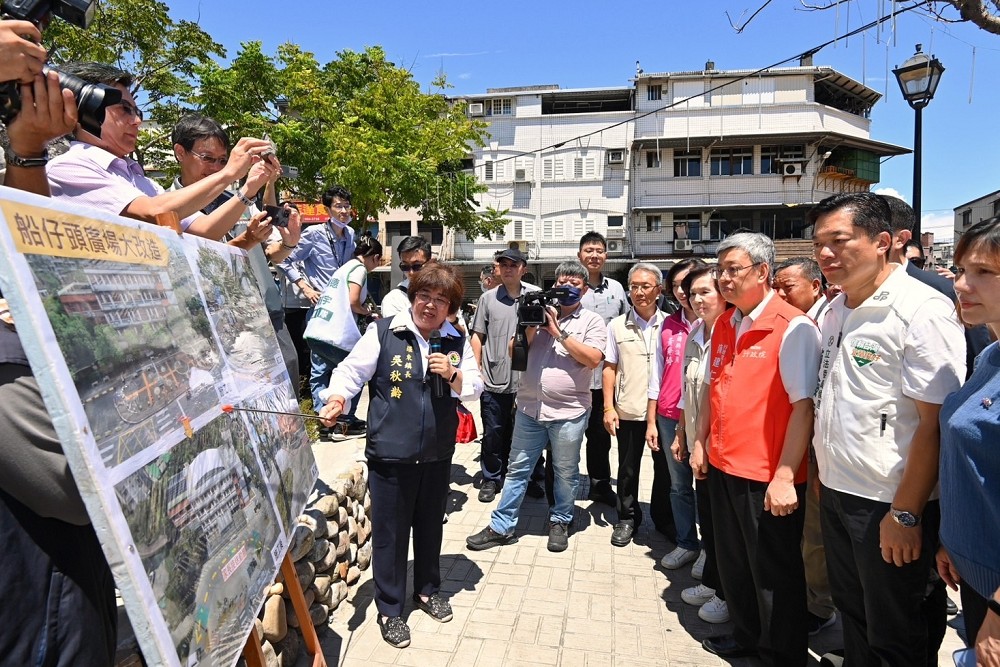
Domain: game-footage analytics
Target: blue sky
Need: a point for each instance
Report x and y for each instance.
(587, 44)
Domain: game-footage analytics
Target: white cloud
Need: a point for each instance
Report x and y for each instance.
(941, 223)
(891, 192)
(465, 75)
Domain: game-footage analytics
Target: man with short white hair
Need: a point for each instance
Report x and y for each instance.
(759, 411)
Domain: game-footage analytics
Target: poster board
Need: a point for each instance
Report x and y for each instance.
(137, 337)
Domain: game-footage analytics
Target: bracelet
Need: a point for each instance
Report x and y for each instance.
(15, 160)
(608, 409)
(453, 376)
(243, 198)
(290, 247)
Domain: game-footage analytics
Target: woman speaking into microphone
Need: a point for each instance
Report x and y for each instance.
(411, 437)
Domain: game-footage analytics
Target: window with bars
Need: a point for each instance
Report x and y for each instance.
(772, 156)
(488, 171)
(687, 163)
(687, 226)
(653, 93)
(719, 227)
(731, 161)
(653, 223)
(652, 159)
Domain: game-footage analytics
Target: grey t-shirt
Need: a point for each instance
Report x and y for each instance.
(496, 319)
(607, 300)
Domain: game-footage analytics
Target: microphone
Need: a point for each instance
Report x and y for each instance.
(437, 382)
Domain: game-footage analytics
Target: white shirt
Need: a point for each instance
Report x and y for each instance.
(359, 367)
(396, 301)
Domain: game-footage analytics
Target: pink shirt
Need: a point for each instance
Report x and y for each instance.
(91, 176)
(670, 361)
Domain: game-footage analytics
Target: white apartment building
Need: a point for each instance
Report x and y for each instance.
(667, 167)
(977, 210)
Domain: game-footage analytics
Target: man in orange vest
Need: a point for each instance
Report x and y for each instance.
(754, 427)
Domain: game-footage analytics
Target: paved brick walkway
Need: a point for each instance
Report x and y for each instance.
(593, 605)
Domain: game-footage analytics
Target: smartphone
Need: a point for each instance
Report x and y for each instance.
(270, 152)
(279, 215)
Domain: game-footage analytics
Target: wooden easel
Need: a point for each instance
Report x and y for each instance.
(252, 652)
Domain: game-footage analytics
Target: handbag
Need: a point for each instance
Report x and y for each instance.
(466, 431)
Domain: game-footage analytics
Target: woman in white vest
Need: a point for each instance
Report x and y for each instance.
(333, 329)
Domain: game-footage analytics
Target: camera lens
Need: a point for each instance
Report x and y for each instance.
(92, 99)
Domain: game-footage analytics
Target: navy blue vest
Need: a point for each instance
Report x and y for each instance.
(406, 424)
(11, 351)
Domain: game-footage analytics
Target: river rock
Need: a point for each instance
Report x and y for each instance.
(319, 550)
(365, 556)
(270, 657)
(306, 571)
(338, 593)
(328, 505)
(320, 519)
(275, 624)
(276, 588)
(353, 574)
(328, 560)
(343, 540)
(288, 649)
(319, 613)
(302, 542)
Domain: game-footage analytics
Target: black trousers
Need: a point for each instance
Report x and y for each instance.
(760, 565)
(498, 425)
(631, 443)
(598, 441)
(295, 322)
(60, 609)
(710, 576)
(884, 612)
(406, 496)
(660, 510)
(974, 610)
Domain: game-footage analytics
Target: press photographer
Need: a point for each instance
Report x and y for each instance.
(531, 312)
(553, 405)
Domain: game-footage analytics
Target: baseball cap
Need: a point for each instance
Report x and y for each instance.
(513, 254)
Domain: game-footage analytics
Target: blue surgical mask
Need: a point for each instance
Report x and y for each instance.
(572, 298)
(341, 225)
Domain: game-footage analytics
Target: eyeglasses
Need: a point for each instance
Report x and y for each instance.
(436, 301)
(208, 159)
(416, 266)
(641, 288)
(918, 262)
(340, 207)
(731, 272)
(131, 110)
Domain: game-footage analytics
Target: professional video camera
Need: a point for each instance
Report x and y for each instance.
(91, 98)
(531, 312)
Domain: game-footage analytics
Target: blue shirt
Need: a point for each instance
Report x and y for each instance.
(319, 254)
(970, 475)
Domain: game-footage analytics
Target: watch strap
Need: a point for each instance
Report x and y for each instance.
(993, 605)
(16, 160)
(453, 376)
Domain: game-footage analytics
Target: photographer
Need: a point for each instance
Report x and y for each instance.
(96, 171)
(51, 560)
(553, 405)
(201, 147)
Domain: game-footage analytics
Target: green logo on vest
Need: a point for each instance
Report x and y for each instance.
(865, 352)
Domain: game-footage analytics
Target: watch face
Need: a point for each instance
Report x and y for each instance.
(905, 519)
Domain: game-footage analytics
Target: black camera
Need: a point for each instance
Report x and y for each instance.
(279, 215)
(92, 99)
(531, 312)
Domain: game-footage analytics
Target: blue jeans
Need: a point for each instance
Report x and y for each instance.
(528, 442)
(323, 359)
(681, 487)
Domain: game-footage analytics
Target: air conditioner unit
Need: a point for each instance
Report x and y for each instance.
(616, 246)
(682, 245)
(616, 157)
(520, 175)
(476, 109)
(791, 169)
(616, 233)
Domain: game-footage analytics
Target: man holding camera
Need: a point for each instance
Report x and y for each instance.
(201, 147)
(553, 406)
(51, 560)
(96, 171)
(493, 329)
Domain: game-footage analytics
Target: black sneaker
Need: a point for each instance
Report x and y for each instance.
(950, 607)
(436, 607)
(488, 538)
(535, 490)
(817, 624)
(395, 631)
(622, 534)
(601, 492)
(353, 428)
(487, 492)
(558, 536)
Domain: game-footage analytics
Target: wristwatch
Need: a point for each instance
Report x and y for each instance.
(904, 518)
(16, 160)
(562, 336)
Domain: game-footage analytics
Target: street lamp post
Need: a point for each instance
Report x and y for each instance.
(918, 79)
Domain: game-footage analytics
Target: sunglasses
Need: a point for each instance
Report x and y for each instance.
(416, 266)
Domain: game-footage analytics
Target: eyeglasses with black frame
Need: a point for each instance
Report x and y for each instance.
(414, 267)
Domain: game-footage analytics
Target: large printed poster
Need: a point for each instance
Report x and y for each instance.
(138, 337)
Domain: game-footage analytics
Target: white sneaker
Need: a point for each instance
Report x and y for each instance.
(714, 611)
(698, 569)
(678, 558)
(697, 595)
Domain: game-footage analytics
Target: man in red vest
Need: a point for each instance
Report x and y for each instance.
(754, 426)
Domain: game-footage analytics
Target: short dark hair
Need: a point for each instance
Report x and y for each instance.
(593, 237)
(683, 265)
(810, 269)
(367, 245)
(913, 243)
(442, 277)
(902, 214)
(336, 191)
(983, 236)
(194, 127)
(869, 211)
(413, 243)
(694, 274)
(92, 72)
(487, 271)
